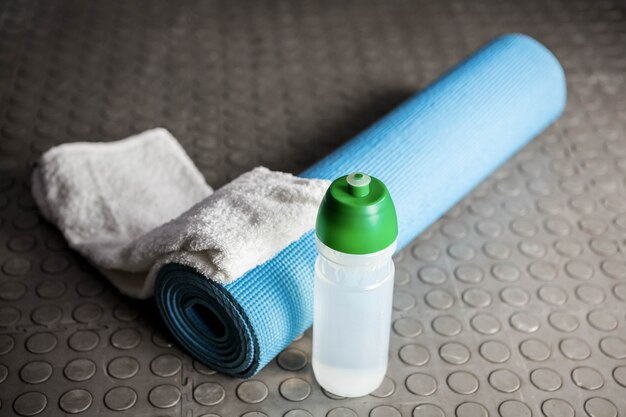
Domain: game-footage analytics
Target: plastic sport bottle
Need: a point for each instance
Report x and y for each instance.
(356, 234)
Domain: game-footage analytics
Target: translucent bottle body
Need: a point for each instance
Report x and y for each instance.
(352, 318)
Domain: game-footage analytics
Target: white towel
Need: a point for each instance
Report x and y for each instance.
(133, 205)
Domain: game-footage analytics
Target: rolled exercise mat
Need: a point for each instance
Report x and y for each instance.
(430, 151)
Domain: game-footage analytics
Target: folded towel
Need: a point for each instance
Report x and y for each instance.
(133, 205)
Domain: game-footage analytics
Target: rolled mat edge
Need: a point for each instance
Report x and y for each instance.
(430, 151)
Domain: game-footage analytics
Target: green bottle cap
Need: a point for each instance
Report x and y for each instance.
(357, 215)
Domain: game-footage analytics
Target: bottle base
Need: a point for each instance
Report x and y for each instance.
(348, 382)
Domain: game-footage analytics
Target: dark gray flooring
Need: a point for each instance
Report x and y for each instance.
(514, 304)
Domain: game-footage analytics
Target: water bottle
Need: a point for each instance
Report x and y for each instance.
(356, 233)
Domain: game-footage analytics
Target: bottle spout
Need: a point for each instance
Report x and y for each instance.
(358, 184)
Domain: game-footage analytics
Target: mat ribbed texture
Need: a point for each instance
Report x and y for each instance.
(430, 151)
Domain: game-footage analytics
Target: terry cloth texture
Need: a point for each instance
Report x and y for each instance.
(430, 152)
(134, 205)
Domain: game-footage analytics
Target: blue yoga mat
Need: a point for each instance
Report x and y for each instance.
(431, 151)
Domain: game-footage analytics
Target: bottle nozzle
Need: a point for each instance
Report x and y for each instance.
(358, 184)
